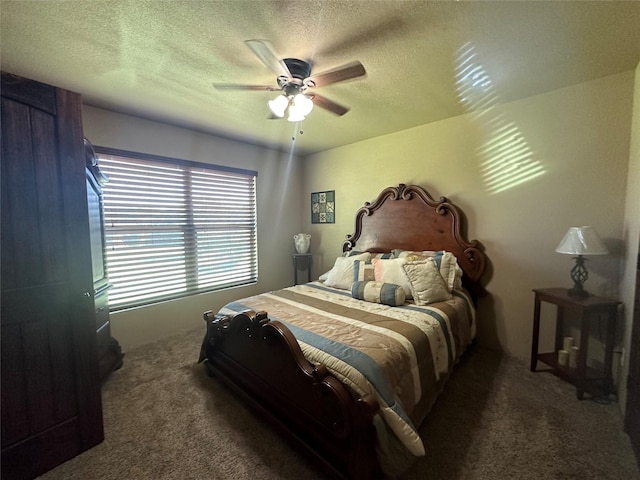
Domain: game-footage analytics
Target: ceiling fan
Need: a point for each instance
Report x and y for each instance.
(296, 82)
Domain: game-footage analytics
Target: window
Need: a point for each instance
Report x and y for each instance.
(175, 228)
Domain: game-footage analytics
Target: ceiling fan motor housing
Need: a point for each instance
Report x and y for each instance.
(299, 68)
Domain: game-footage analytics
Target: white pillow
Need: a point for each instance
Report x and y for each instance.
(341, 275)
(390, 271)
(427, 284)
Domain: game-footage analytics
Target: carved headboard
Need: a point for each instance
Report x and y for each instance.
(408, 218)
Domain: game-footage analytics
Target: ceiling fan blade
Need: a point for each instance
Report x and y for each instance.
(266, 53)
(338, 74)
(237, 86)
(324, 102)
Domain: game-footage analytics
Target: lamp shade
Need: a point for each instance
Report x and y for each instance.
(582, 241)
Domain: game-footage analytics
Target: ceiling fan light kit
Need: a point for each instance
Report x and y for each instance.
(294, 79)
(278, 105)
(298, 106)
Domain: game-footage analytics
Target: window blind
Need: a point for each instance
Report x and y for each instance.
(175, 228)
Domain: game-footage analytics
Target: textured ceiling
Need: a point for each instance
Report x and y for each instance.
(424, 60)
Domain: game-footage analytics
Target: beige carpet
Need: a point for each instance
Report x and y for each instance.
(166, 419)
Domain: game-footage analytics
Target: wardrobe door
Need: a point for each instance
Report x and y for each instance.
(51, 404)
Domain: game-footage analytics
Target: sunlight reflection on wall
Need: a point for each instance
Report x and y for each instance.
(506, 158)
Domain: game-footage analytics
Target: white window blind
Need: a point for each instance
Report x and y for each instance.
(175, 228)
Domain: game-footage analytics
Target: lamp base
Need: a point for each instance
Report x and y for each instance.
(578, 291)
(579, 275)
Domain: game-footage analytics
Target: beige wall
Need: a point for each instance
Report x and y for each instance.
(279, 211)
(631, 237)
(578, 139)
(577, 136)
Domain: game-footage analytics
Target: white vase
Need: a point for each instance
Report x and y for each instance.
(302, 242)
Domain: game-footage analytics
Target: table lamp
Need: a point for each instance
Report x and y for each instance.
(581, 241)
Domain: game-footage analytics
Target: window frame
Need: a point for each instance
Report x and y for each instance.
(191, 257)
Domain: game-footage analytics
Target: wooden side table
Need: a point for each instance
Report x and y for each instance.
(587, 308)
(302, 261)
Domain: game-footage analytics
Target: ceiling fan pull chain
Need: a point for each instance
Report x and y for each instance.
(296, 129)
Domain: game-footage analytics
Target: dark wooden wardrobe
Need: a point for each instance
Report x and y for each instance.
(51, 404)
(109, 351)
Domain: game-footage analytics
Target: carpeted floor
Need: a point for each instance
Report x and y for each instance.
(166, 419)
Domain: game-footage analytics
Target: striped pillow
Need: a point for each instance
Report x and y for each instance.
(351, 253)
(363, 271)
(382, 255)
(385, 293)
(341, 275)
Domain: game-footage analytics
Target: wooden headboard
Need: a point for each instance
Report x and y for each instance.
(408, 218)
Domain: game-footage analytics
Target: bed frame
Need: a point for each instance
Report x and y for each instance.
(262, 362)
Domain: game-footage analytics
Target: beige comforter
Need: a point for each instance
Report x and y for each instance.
(397, 354)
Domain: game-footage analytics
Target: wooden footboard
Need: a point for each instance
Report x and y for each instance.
(263, 363)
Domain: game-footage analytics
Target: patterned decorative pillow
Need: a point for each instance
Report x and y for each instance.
(446, 262)
(341, 275)
(390, 271)
(363, 271)
(385, 293)
(427, 284)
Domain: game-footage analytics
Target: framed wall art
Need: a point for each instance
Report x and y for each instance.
(323, 207)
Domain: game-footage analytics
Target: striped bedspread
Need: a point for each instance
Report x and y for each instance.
(397, 354)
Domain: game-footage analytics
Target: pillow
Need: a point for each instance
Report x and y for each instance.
(449, 269)
(385, 293)
(341, 275)
(446, 262)
(390, 271)
(399, 253)
(427, 284)
(373, 255)
(382, 255)
(363, 271)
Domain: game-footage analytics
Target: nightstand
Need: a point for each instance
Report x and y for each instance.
(589, 309)
(301, 262)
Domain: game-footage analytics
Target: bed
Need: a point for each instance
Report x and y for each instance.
(348, 367)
